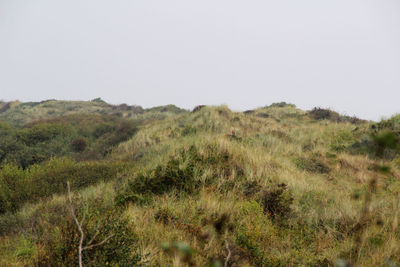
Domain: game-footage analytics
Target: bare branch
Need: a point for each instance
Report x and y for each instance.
(229, 254)
(98, 244)
(79, 225)
(83, 218)
(93, 238)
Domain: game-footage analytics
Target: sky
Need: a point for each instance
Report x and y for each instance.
(338, 54)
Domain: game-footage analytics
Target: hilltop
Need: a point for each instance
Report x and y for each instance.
(273, 186)
(19, 113)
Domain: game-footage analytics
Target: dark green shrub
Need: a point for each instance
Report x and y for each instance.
(43, 133)
(382, 141)
(281, 105)
(198, 108)
(263, 115)
(168, 108)
(78, 145)
(327, 114)
(248, 112)
(188, 130)
(181, 173)
(277, 201)
(4, 107)
(165, 178)
(386, 140)
(312, 164)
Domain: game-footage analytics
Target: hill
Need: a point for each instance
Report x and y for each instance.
(274, 186)
(18, 113)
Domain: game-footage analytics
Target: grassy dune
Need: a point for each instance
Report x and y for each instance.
(19, 113)
(276, 186)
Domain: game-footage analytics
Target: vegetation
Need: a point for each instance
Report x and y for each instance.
(19, 114)
(79, 136)
(275, 186)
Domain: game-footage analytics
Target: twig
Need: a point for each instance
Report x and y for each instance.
(78, 224)
(98, 244)
(229, 253)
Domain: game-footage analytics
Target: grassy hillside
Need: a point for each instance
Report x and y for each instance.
(18, 113)
(275, 186)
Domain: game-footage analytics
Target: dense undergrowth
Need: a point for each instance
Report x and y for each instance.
(275, 186)
(83, 137)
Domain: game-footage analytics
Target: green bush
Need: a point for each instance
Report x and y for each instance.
(18, 186)
(84, 137)
(281, 105)
(60, 244)
(182, 173)
(277, 201)
(327, 114)
(44, 133)
(79, 145)
(178, 173)
(312, 164)
(382, 141)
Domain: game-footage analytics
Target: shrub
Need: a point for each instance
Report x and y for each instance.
(181, 173)
(198, 108)
(382, 141)
(94, 136)
(281, 105)
(248, 112)
(5, 107)
(43, 133)
(276, 201)
(327, 114)
(59, 246)
(263, 115)
(78, 145)
(18, 186)
(175, 174)
(312, 164)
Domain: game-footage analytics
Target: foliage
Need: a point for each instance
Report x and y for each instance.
(78, 145)
(281, 105)
(277, 201)
(382, 139)
(90, 136)
(327, 114)
(18, 186)
(59, 247)
(313, 164)
(181, 173)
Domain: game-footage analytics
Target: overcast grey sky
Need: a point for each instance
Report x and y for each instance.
(342, 54)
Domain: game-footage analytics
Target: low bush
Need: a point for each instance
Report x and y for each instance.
(312, 164)
(281, 105)
(84, 137)
(382, 140)
(277, 201)
(327, 114)
(59, 246)
(18, 186)
(198, 108)
(182, 173)
(79, 145)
